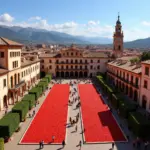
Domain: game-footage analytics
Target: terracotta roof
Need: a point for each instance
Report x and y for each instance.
(95, 54)
(48, 55)
(146, 62)
(126, 65)
(4, 41)
(3, 71)
(29, 62)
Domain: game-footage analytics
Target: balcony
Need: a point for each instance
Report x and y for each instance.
(73, 69)
(17, 86)
(72, 63)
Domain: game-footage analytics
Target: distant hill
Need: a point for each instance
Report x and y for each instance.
(140, 43)
(31, 35)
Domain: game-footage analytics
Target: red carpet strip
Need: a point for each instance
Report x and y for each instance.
(51, 118)
(100, 125)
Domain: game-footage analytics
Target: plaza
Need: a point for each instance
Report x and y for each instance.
(96, 134)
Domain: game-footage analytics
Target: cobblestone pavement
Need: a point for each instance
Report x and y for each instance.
(72, 137)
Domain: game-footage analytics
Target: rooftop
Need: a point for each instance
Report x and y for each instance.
(95, 54)
(4, 41)
(3, 71)
(126, 65)
(27, 62)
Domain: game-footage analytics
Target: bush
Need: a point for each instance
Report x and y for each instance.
(22, 108)
(43, 85)
(44, 80)
(1, 144)
(116, 100)
(49, 77)
(37, 91)
(9, 124)
(125, 108)
(31, 99)
(139, 124)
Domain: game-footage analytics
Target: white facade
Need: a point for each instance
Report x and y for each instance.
(3, 90)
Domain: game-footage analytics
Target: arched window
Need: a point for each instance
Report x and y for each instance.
(119, 47)
(85, 61)
(67, 61)
(76, 61)
(71, 61)
(81, 61)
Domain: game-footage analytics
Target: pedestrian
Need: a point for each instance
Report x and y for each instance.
(76, 128)
(80, 144)
(145, 145)
(53, 138)
(113, 144)
(40, 144)
(63, 143)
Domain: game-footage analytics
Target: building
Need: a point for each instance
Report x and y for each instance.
(131, 78)
(17, 73)
(118, 39)
(74, 62)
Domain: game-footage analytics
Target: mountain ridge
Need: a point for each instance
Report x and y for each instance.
(32, 35)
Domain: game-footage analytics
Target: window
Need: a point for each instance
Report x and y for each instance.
(50, 61)
(145, 84)
(4, 83)
(98, 67)
(71, 54)
(67, 61)
(147, 71)
(98, 61)
(50, 67)
(22, 74)
(1, 54)
(85, 61)
(91, 67)
(91, 61)
(119, 47)
(42, 66)
(42, 61)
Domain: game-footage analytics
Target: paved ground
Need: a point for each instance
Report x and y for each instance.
(72, 138)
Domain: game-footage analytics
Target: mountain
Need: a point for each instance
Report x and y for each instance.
(31, 35)
(96, 40)
(140, 43)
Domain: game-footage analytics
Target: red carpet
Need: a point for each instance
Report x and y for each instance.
(99, 124)
(51, 118)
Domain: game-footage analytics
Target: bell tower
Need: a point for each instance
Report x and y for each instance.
(118, 39)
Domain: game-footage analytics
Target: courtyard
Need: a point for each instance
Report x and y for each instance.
(98, 126)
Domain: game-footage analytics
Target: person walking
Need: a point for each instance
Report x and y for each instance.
(80, 144)
(63, 143)
(113, 144)
(42, 144)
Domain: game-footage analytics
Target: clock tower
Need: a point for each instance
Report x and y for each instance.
(118, 39)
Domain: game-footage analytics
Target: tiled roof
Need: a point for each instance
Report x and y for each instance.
(48, 55)
(95, 54)
(29, 62)
(146, 62)
(135, 68)
(4, 41)
(3, 71)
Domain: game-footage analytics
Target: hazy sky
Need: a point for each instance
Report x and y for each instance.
(80, 17)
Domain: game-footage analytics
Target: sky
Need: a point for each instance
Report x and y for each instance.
(91, 18)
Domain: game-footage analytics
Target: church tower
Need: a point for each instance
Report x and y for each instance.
(118, 39)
